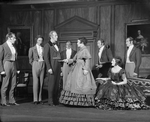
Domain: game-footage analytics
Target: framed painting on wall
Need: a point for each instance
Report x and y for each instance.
(23, 39)
(140, 33)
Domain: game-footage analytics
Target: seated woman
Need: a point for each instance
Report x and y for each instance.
(117, 93)
(80, 86)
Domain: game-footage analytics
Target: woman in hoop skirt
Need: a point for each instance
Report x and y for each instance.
(117, 93)
(80, 86)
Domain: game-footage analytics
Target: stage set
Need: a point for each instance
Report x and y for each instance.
(111, 20)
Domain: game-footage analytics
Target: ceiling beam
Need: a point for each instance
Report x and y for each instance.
(22, 2)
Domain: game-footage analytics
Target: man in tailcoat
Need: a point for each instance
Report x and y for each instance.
(68, 53)
(53, 68)
(132, 58)
(104, 60)
(36, 59)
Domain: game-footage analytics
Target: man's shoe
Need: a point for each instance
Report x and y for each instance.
(51, 104)
(40, 102)
(13, 104)
(5, 105)
(35, 102)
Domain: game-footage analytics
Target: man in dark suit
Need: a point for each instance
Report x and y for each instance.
(8, 70)
(36, 59)
(104, 60)
(133, 59)
(53, 68)
(68, 53)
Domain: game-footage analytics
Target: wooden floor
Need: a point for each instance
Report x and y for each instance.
(27, 111)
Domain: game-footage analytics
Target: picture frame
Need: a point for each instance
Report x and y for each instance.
(139, 31)
(23, 39)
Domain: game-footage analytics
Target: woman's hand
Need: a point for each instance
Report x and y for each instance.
(3, 73)
(85, 72)
(50, 71)
(18, 71)
(65, 60)
(98, 66)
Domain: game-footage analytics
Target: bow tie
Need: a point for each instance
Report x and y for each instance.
(12, 45)
(54, 43)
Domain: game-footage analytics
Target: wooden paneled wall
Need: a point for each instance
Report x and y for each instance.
(88, 13)
(126, 14)
(110, 16)
(48, 23)
(1, 24)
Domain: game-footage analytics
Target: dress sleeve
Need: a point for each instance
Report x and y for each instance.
(122, 74)
(86, 57)
(86, 54)
(109, 73)
(122, 71)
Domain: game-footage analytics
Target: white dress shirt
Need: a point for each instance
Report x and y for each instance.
(13, 50)
(100, 52)
(128, 53)
(40, 52)
(68, 53)
(56, 47)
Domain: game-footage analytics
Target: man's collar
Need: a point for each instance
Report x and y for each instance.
(38, 45)
(131, 46)
(50, 43)
(101, 47)
(53, 42)
(68, 49)
(8, 42)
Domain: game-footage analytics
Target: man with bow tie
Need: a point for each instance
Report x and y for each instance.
(36, 59)
(8, 70)
(53, 68)
(133, 59)
(104, 60)
(68, 53)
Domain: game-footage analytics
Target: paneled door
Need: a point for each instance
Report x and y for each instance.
(76, 27)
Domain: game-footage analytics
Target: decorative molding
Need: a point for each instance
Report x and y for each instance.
(139, 20)
(76, 27)
(76, 23)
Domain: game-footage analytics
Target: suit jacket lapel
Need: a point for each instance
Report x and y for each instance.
(103, 52)
(65, 54)
(132, 51)
(7, 48)
(35, 49)
(71, 53)
(126, 54)
(52, 46)
(42, 51)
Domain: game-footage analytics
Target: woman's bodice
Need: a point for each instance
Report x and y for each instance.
(116, 77)
(82, 54)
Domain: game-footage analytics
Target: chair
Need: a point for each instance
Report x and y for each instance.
(23, 79)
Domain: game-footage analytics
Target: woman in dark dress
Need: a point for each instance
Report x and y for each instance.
(117, 93)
